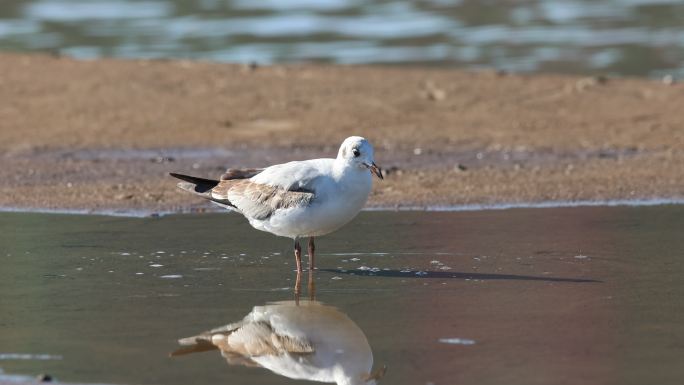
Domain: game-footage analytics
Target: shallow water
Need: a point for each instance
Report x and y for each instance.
(629, 37)
(521, 296)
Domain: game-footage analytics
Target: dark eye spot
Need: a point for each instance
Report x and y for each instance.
(356, 153)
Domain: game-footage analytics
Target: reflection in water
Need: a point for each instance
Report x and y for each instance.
(296, 339)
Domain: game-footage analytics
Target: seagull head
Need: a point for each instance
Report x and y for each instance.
(358, 152)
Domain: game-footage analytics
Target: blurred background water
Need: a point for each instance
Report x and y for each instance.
(623, 37)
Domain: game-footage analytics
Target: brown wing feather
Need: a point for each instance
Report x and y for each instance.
(198, 347)
(252, 340)
(291, 345)
(240, 173)
(259, 201)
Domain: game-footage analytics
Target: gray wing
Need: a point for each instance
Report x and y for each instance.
(240, 342)
(240, 173)
(257, 200)
(256, 339)
(259, 193)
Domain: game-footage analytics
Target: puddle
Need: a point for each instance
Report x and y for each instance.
(544, 291)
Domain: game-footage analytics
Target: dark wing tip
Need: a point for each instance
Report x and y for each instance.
(203, 184)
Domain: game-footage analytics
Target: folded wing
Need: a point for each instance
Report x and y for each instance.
(259, 201)
(259, 193)
(241, 342)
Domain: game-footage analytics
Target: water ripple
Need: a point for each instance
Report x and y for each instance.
(607, 36)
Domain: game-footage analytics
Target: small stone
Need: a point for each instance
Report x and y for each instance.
(251, 66)
(600, 79)
(668, 80)
(44, 378)
(585, 83)
(391, 170)
(436, 94)
(432, 92)
(163, 159)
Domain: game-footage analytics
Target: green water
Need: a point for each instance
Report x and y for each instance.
(548, 296)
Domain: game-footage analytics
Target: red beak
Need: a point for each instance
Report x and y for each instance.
(375, 170)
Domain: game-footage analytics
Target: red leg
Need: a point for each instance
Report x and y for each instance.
(312, 249)
(298, 261)
(312, 286)
(298, 287)
(298, 255)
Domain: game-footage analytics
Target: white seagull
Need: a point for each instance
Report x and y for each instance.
(307, 340)
(297, 199)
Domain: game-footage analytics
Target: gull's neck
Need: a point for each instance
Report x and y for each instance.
(341, 168)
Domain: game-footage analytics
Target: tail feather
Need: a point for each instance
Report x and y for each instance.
(203, 342)
(193, 345)
(201, 185)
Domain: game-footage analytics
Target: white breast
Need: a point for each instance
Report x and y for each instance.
(336, 203)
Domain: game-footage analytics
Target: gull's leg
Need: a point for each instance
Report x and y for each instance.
(312, 286)
(298, 287)
(298, 260)
(312, 249)
(298, 255)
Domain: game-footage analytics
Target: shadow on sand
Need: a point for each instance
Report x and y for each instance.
(456, 275)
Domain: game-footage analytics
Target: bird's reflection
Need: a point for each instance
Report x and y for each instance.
(311, 285)
(297, 339)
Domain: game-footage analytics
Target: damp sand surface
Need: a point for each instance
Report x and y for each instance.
(103, 135)
(523, 296)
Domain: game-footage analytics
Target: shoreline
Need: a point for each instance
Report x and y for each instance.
(102, 135)
(461, 208)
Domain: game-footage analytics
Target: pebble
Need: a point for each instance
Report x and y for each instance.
(459, 167)
(668, 80)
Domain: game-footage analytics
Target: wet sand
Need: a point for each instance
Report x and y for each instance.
(102, 135)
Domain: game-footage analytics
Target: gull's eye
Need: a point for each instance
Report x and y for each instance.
(356, 153)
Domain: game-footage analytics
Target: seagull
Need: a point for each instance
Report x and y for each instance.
(308, 340)
(297, 199)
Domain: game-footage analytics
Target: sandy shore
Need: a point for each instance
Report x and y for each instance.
(102, 135)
